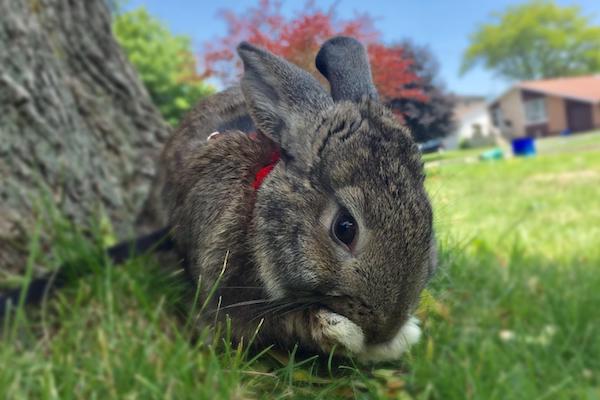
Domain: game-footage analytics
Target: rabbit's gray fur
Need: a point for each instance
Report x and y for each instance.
(276, 241)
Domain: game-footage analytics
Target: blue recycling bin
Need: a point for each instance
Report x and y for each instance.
(523, 147)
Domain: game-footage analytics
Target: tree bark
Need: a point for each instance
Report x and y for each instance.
(75, 120)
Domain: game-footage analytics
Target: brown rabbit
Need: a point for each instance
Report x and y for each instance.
(334, 246)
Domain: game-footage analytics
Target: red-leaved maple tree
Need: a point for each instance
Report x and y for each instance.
(298, 38)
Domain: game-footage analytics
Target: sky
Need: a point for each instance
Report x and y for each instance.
(443, 25)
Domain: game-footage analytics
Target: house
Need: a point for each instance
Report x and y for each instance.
(548, 107)
(473, 123)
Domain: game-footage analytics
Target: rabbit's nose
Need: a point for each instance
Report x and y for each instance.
(379, 325)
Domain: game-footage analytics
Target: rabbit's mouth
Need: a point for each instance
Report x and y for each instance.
(350, 336)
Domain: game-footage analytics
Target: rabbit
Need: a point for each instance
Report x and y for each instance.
(333, 245)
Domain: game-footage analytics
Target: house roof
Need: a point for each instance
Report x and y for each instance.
(583, 88)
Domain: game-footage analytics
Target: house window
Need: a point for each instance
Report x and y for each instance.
(535, 110)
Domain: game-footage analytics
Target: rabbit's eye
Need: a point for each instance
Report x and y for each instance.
(344, 228)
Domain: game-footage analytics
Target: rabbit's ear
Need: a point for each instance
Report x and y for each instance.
(343, 61)
(281, 97)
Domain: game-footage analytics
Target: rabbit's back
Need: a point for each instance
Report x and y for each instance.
(221, 112)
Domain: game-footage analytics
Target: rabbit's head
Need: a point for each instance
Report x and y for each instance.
(344, 216)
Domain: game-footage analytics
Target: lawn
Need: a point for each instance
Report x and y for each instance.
(513, 312)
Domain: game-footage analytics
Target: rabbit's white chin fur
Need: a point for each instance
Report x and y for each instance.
(346, 333)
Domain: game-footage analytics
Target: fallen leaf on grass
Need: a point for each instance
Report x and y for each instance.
(303, 376)
(392, 379)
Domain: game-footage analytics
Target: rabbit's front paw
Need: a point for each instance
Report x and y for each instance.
(335, 329)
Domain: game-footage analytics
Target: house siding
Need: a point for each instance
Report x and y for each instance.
(511, 106)
(596, 116)
(557, 115)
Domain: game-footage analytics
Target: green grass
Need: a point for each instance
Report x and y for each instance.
(513, 312)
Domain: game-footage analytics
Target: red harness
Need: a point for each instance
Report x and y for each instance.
(265, 170)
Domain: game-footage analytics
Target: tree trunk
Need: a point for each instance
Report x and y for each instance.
(75, 120)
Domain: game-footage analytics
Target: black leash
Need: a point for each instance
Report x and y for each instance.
(156, 241)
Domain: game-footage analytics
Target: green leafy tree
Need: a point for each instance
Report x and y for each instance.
(538, 39)
(164, 61)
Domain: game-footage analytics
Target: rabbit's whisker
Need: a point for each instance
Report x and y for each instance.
(273, 309)
(245, 303)
(292, 305)
(280, 307)
(241, 287)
